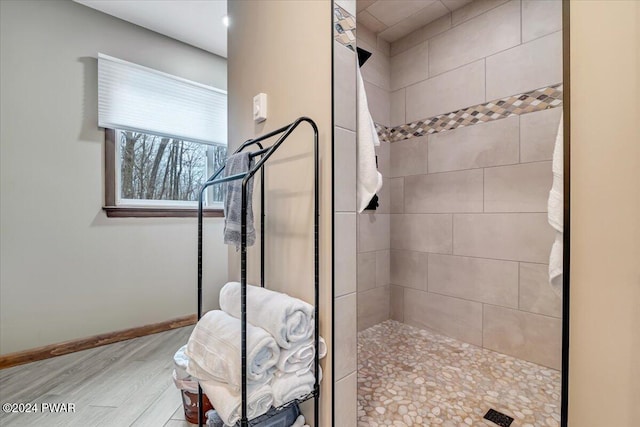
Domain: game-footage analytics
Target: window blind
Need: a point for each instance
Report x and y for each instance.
(136, 98)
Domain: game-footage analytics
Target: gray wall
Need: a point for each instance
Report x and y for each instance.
(67, 270)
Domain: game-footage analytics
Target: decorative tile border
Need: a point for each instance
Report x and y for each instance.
(535, 100)
(344, 27)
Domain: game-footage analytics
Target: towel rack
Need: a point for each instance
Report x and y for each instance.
(264, 154)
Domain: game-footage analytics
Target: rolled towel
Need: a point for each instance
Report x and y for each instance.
(288, 387)
(299, 357)
(228, 402)
(214, 351)
(288, 319)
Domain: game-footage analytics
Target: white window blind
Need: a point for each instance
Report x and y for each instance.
(136, 98)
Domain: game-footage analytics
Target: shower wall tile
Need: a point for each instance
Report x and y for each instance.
(373, 307)
(384, 198)
(383, 152)
(528, 336)
(383, 46)
(525, 67)
(366, 271)
(383, 267)
(370, 22)
(540, 17)
(483, 280)
(410, 66)
(345, 340)
(538, 133)
(454, 317)
(397, 108)
(412, 39)
(409, 269)
(396, 188)
(365, 36)
(345, 171)
(429, 11)
(511, 236)
(422, 232)
(409, 157)
(345, 267)
(396, 310)
(379, 103)
(346, 409)
(474, 9)
(444, 192)
(487, 144)
(536, 294)
(500, 30)
(377, 69)
(373, 232)
(447, 92)
(518, 188)
(344, 68)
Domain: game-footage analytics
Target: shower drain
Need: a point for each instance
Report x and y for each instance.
(498, 417)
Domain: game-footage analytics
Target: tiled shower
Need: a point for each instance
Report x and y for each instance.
(467, 98)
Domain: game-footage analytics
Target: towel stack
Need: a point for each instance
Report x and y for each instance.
(280, 352)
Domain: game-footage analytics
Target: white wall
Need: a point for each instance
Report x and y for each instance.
(67, 270)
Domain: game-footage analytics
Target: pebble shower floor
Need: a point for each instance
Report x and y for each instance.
(412, 377)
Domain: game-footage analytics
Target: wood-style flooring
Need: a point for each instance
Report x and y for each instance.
(128, 383)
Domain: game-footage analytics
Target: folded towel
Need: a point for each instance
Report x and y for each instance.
(214, 351)
(288, 319)
(555, 208)
(369, 180)
(228, 402)
(288, 387)
(213, 419)
(299, 358)
(237, 163)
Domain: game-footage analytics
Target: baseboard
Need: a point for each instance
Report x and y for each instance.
(53, 350)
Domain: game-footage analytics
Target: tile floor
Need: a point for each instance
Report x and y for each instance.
(413, 377)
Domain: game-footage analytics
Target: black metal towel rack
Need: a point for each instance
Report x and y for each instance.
(264, 154)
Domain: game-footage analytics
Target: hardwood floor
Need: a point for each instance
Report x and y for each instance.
(123, 384)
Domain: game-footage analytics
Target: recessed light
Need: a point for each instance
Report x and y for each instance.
(225, 20)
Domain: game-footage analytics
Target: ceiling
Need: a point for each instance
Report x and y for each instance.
(392, 20)
(195, 22)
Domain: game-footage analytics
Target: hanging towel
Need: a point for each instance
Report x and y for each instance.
(555, 213)
(288, 319)
(214, 351)
(287, 387)
(369, 180)
(299, 358)
(237, 163)
(228, 402)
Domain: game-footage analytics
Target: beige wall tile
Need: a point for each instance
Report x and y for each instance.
(384, 198)
(383, 46)
(489, 144)
(525, 67)
(540, 17)
(397, 108)
(510, 236)
(396, 188)
(345, 340)
(422, 232)
(365, 36)
(454, 317)
(396, 310)
(345, 267)
(410, 66)
(345, 171)
(379, 103)
(444, 192)
(383, 261)
(432, 11)
(409, 269)
(409, 157)
(373, 307)
(344, 68)
(363, 4)
(447, 92)
(436, 27)
(527, 336)
(373, 232)
(477, 279)
(536, 294)
(518, 188)
(369, 21)
(431, 29)
(484, 35)
(377, 69)
(346, 410)
(366, 271)
(393, 12)
(474, 9)
(538, 133)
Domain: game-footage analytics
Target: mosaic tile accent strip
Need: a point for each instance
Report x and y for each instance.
(383, 133)
(535, 100)
(413, 377)
(344, 27)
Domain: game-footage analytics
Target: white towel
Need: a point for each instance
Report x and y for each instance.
(227, 401)
(555, 213)
(214, 351)
(288, 319)
(299, 358)
(299, 422)
(369, 180)
(287, 387)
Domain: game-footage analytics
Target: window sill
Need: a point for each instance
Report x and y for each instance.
(155, 212)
